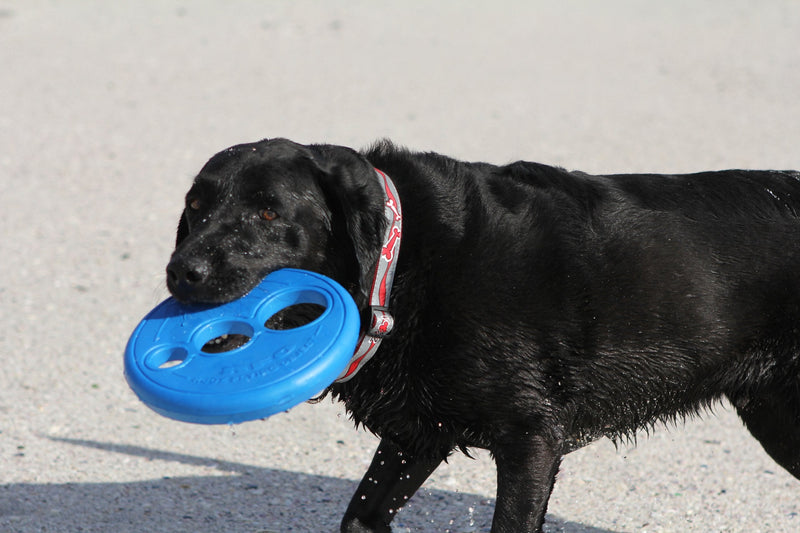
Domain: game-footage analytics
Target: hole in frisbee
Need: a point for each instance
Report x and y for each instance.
(295, 316)
(224, 336)
(167, 357)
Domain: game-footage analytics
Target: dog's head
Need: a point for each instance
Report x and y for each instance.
(255, 208)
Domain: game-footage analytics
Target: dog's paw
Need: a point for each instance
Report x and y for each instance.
(354, 525)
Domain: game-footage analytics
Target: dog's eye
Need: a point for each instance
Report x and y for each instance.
(268, 214)
(194, 204)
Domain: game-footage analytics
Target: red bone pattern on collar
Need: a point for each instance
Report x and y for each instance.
(382, 322)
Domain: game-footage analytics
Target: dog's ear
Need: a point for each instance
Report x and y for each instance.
(183, 229)
(356, 197)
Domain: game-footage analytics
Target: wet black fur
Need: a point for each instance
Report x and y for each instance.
(536, 309)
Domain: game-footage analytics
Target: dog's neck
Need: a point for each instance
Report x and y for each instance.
(381, 322)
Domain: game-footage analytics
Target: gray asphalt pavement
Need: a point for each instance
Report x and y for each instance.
(107, 109)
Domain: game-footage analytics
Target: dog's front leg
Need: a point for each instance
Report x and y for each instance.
(392, 478)
(526, 471)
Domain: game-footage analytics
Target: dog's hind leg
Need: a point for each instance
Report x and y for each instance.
(392, 478)
(774, 420)
(526, 472)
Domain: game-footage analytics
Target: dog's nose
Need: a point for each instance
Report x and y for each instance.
(190, 271)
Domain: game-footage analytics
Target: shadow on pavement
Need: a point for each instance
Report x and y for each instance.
(242, 499)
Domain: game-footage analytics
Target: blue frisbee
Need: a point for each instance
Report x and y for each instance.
(170, 366)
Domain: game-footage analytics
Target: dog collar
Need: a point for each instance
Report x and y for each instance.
(382, 321)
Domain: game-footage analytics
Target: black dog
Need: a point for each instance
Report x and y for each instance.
(535, 309)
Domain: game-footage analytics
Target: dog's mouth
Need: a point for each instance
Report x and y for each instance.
(197, 280)
(211, 291)
(291, 317)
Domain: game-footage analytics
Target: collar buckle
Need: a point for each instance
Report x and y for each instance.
(381, 324)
